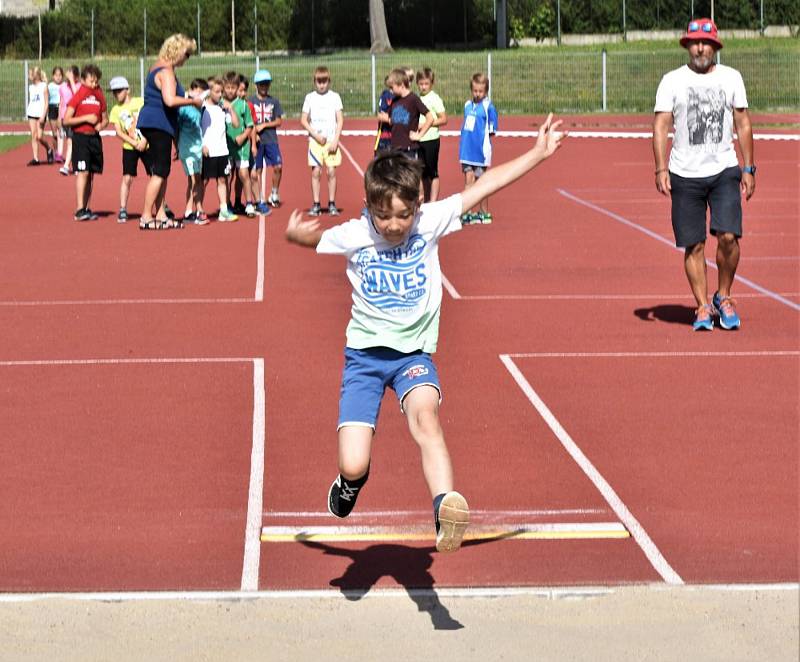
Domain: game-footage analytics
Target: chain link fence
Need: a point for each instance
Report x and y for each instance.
(524, 81)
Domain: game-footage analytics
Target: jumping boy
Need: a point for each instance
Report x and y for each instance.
(217, 112)
(475, 146)
(265, 149)
(87, 115)
(239, 144)
(134, 145)
(393, 266)
(323, 118)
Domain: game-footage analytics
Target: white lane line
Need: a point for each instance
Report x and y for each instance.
(50, 362)
(452, 291)
(252, 542)
(657, 237)
(636, 355)
(383, 593)
(644, 541)
(259, 295)
(351, 159)
(115, 302)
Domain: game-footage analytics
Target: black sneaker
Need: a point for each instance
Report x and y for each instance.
(81, 215)
(169, 213)
(333, 210)
(315, 210)
(90, 215)
(342, 495)
(122, 217)
(452, 519)
(33, 162)
(50, 156)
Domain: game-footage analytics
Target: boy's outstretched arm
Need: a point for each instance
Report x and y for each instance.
(496, 178)
(303, 233)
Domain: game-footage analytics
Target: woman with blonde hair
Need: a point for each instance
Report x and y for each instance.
(37, 114)
(158, 121)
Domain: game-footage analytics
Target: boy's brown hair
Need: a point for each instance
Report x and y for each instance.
(231, 78)
(399, 77)
(481, 79)
(215, 80)
(426, 73)
(91, 70)
(392, 174)
(322, 72)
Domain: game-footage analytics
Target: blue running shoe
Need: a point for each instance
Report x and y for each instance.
(703, 320)
(726, 309)
(263, 208)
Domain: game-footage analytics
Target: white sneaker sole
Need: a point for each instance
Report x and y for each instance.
(453, 522)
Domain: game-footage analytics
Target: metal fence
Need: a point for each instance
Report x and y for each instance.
(525, 81)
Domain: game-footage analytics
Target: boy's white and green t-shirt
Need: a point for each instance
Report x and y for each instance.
(397, 288)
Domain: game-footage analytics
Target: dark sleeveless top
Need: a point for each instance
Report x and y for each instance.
(155, 114)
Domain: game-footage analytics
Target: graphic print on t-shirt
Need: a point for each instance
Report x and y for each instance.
(394, 279)
(705, 115)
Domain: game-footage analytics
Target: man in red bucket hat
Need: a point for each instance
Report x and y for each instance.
(703, 102)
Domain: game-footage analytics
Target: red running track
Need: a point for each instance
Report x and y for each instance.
(131, 469)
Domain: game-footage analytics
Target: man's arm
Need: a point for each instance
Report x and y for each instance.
(744, 130)
(547, 142)
(303, 233)
(661, 125)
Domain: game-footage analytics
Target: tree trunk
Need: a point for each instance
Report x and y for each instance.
(378, 35)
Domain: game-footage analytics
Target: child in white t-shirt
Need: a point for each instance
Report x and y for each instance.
(393, 266)
(323, 118)
(217, 113)
(37, 114)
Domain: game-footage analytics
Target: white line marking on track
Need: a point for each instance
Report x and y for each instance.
(381, 593)
(125, 361)
(590, 355)
(252, 538)
(402, 514)
(602, 210)
(259, 295)
(452, 291)
(114, 302)
(351, 159)
(644, 541)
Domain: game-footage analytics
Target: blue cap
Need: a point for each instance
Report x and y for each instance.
(262, 76)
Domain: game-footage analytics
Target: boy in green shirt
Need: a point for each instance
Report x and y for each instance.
(239, 141)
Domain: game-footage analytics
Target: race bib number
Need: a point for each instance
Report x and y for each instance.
(469, 123)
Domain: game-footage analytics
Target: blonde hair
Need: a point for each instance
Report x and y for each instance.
(38, 75)
(481, 79)
(175, 46)
(399, 77)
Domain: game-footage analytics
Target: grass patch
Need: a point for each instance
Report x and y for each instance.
(7, 143)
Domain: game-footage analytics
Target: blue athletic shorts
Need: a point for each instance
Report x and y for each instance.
(268, 154)
(367, 373)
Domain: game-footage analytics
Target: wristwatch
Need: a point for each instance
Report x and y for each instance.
(750, 170)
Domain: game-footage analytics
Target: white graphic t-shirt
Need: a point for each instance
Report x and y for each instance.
(397, 289)
(702, 108)
(321, 109)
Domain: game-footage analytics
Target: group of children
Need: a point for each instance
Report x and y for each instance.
(233, 137)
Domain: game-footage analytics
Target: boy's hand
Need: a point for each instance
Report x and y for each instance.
(414, 136)
(141, 145)
(320, 138)
(205, 151)
(91, 118)
(298, 231)
(333, 145)
(243, 137)
(549, 138)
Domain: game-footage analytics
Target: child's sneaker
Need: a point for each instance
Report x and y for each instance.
(189, 216)
(169, 213)
(92, 216)
(333, 210)
(64, 170)
(486, 217)
(274, 200)
(263, 208)
(703, 320)
(59, 158)
(238, 208)
(452, 519)
(33, 162)
(466, 219)
(81, 215)
(50, 156)
(226, 216)
(200, 218)
(343, 494)
(726, 309)
(122, 217)
(315, 210)
(250, 210)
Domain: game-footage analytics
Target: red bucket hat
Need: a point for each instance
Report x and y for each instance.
(701, 28)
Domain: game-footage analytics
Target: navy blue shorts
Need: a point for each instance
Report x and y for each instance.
(367, 373)
(690, 197)
(268, 154)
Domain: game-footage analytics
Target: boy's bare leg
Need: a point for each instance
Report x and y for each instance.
(244, 178)
(421, 406)
(124, 191)
(33, 126)
(316, 173)
(331, 184)
(199, 192)
(255, 184)
(355, 447)
(694, 263)
(277, 173)
(81, 186)
(222, 192)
